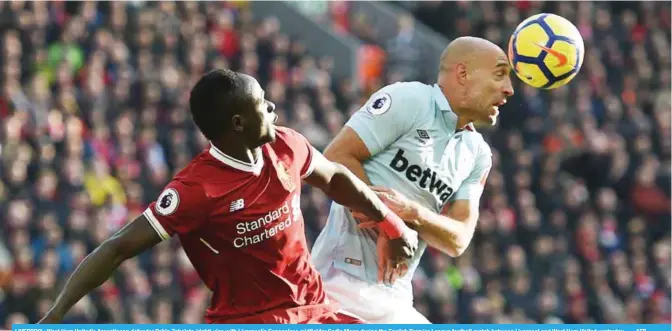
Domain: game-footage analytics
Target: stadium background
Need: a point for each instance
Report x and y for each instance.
(575, 221)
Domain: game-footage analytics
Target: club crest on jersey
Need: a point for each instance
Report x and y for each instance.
(379, 103)
(285, 178)
(167, 202)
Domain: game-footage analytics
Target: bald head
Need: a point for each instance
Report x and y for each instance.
(464, 49)
(474, 77)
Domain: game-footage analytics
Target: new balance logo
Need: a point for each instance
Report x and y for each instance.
(237, 205)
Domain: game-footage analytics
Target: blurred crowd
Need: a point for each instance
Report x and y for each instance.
(575, 220)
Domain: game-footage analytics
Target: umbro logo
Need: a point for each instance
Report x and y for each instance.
(423, 136)
(237, 205)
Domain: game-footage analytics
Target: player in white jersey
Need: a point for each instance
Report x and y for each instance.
(417, 141)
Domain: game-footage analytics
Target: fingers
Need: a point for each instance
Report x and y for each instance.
(367, 225)
(397, 273)
(359, 216)
(364, 222)
(409, 251)
(388, 271)
(381, 189)
(381, 268)
(403, 270)
(386, 198)
(387, 274)
(391, 200)
(392, 272)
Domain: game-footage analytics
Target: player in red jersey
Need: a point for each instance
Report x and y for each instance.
(236, 210)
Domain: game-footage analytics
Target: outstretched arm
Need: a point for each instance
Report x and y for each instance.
(337, 182)
(450, 231)
(346, 189)
(96, 268)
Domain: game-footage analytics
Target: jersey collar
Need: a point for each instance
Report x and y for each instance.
(235, 163)
(450, 118)
(448, 114)
(440, 99)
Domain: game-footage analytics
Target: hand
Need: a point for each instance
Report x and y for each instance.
(387, 273)
(397, 202)
(394, 254)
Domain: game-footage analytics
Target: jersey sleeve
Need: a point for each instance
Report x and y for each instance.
(472, 187)
(181, 208)
(303, 152)
(388, 114)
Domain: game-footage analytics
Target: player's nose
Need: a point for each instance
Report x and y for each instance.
(508, 88)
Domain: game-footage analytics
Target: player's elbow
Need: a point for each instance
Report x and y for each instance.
(347, 147)
(457, 250)
(338, 155)
(458, 243)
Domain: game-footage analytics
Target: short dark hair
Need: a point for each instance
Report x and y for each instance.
(214, 99)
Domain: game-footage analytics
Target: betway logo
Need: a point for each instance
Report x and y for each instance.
(425, 178)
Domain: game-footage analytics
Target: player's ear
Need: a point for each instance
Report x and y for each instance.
(237, 123)
(461, 73)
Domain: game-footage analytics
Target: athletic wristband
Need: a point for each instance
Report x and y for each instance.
(392, 225)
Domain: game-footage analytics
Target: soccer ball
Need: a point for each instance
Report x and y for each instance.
(546, 51)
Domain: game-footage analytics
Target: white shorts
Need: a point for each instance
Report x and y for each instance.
(369, 302)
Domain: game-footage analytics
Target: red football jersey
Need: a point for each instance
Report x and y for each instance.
(242, 228)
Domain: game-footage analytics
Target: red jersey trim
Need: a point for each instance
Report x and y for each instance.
(311, 166)
(154, 222)
(237, 164)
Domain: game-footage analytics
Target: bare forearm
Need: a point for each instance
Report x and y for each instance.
(348, 190)
(442, 232)
(94, 270)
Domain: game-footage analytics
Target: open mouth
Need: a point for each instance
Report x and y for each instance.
(496, 105)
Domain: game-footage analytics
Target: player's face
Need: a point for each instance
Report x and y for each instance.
(259, 127)
(489, 86)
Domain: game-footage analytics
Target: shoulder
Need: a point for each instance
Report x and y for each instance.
(288, 137)
(194, 176)
(290, 142)
(205, 177)
(200, 169)
(477, 143)
(183, 193)
(283, 133)
(407, 88)
(399, 94)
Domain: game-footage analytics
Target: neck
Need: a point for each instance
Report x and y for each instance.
(238, 151)
(462, 118)
(462, 121)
